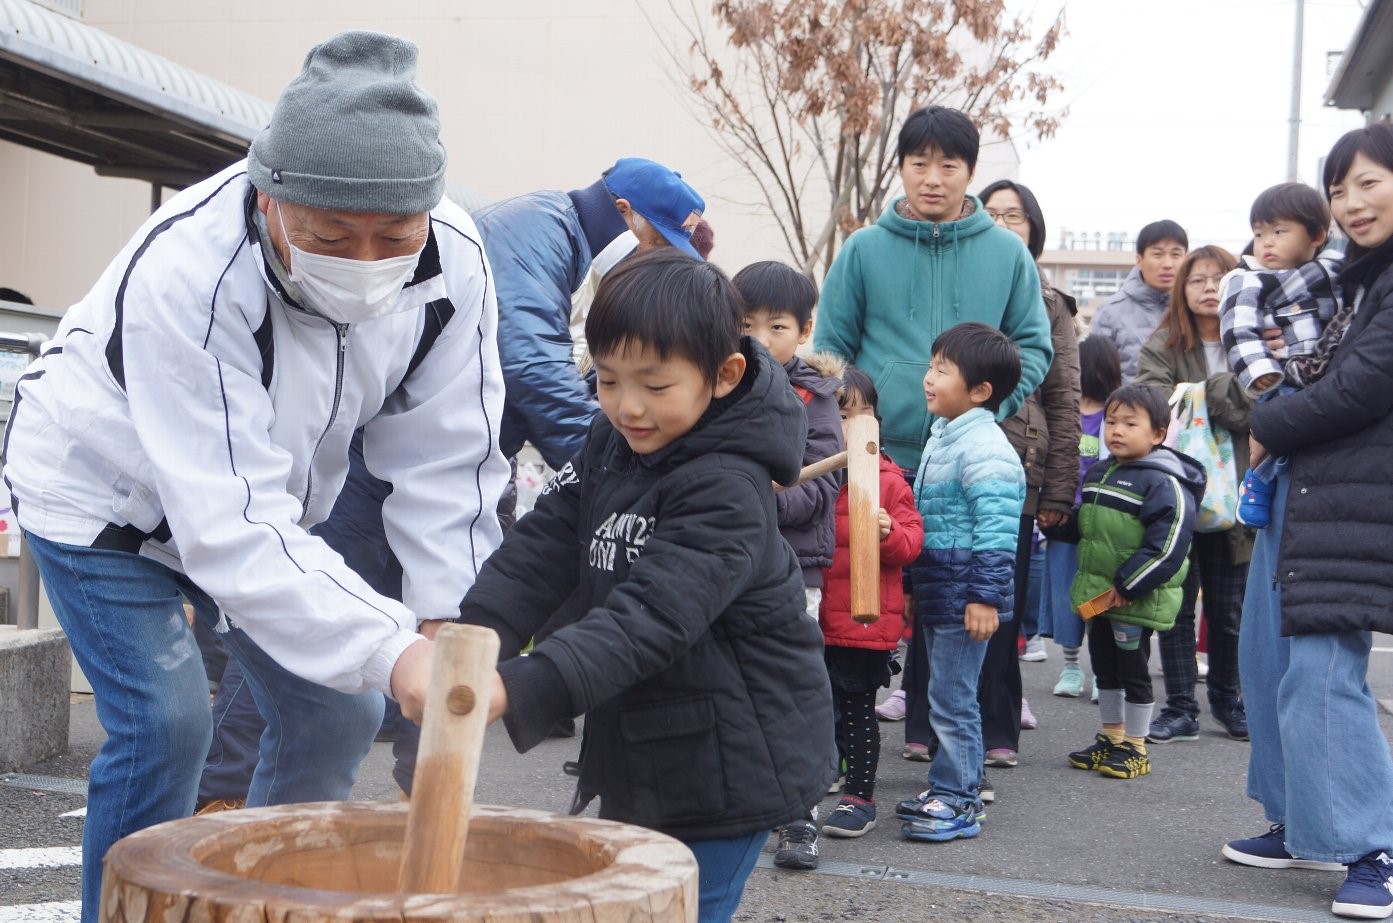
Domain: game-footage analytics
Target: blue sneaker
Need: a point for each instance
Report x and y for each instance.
(937, 822)
(1255, 501)
(852, 817)
(1269, 851)
(1367, 893)
(909, 808)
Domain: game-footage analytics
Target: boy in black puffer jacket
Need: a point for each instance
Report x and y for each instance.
(678, 611)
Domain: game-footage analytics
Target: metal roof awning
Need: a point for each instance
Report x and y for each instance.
(71, 90)
(1364, 67)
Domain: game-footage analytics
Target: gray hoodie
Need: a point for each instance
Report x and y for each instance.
(1128, 318)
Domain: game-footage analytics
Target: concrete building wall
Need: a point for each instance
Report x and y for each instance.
(542, 94)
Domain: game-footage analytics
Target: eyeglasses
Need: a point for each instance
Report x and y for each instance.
(1014, 216)
(1202, 282)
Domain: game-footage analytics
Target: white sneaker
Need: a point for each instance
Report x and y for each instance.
(1035, 650)
(893, 708)
(1201, 668)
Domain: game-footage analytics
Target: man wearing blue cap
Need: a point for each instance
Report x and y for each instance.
(190, 422)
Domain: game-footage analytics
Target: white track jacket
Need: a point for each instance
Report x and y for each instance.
(189, 397)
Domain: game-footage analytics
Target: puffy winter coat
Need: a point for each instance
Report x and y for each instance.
(969, 491)
(1135, 526)
(1336, 560)
(1128, 317)
(540, 256)
(897, 551)
(681, 633)
(807, 512)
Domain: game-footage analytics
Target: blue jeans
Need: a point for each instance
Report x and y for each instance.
(124, 617)
(955, 662)
(1058, 617)
(1319, 762)
(723, 867)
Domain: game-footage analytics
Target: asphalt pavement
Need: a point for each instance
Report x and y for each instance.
(1058, 843)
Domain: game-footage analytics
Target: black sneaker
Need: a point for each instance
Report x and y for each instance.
(1125, 762)
(1092, 757)
(1234, 719)
(986, 792)
(1173, 725)
(797, 846)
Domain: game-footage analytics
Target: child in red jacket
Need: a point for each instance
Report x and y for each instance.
(858, 653)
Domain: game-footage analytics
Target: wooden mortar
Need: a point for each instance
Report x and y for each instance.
(432, 860)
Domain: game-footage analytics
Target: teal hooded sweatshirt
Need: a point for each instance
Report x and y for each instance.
(895, 286)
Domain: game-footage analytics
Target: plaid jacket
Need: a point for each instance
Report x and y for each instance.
(1299, 302)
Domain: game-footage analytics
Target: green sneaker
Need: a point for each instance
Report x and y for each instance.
(1125, 762)
(1092, 757)
(1070, 684)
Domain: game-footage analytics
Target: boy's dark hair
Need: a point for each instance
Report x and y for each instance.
(1100, 368)
(1033, 215)
(1292, 202)
(670, 303)
(1142, 397)
(774, 287)
(1160, 231)
(946, 130)
(856, 383)
(982, 354)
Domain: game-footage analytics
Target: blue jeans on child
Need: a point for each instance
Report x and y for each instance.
(955, 661)
(1319, 762)
(723, 867)
(124, 618)
(1058, 617)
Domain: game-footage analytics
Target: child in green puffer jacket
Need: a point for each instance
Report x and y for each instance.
(1133, 529)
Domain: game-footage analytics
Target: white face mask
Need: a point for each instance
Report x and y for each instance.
(349, 291)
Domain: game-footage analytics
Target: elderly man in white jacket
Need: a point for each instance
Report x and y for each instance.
(191, 420)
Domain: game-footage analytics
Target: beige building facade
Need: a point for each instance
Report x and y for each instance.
(537, 94)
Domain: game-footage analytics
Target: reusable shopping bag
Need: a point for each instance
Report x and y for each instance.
(1189, 432)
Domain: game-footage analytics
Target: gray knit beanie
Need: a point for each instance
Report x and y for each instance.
(354, 132)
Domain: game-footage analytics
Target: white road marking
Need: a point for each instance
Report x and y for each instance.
(51, 912)
(48, 858)
(80, 812)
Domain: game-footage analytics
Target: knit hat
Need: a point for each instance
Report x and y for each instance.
(354, 132)
(660, 195)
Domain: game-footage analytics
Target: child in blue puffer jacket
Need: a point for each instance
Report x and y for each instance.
(970, 489)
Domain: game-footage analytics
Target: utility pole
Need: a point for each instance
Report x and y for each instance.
(1294, 120)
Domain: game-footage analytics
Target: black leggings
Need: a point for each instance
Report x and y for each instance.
(859, 733)
(1115, 668)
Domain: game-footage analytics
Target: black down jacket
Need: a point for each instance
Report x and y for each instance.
(678, 622)
(1336, 559)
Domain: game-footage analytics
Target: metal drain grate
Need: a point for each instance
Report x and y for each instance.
(45, 783)
(1014, 887)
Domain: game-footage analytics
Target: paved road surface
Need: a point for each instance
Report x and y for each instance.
(1059, 844)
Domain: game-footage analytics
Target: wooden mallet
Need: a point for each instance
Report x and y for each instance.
(447, 764)
(863, 496)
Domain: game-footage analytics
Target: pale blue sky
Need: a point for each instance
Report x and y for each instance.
(1178, 108)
